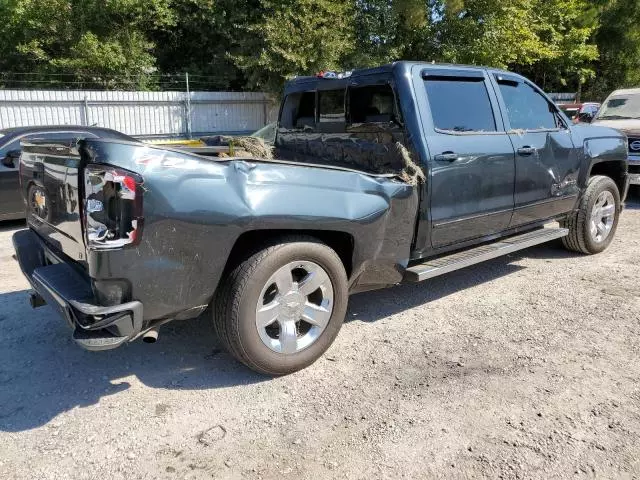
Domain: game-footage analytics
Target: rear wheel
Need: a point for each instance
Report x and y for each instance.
(593, 225)
(281, 308)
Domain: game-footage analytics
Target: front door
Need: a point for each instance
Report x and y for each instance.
(547, 163)
(472, 167)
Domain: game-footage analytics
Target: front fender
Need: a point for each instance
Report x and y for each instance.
(600, 144)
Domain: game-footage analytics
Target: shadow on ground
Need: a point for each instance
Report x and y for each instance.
(43, 373)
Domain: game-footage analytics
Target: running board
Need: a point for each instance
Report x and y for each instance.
(466, 258)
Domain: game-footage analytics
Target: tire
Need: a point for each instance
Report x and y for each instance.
(580, 223)
(258, 289)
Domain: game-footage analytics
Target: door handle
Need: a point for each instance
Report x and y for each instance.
(526, 151)
(446, 157)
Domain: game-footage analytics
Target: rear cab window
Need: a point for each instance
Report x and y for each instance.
(331, 111)
(373, 104)
(331, 106)
(344, 123)
(299, 111)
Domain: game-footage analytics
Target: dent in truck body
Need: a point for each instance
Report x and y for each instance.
(195, 209)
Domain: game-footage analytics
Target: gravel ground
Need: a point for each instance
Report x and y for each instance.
(523, 367)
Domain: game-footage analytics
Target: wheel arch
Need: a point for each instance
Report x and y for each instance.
(343, 243)
(614, 169)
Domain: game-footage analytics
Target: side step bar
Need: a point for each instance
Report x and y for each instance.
(466, 258)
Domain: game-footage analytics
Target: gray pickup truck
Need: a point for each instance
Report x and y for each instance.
(393, 174)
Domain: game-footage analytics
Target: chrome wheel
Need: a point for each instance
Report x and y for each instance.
(294, 307)
(602, 216)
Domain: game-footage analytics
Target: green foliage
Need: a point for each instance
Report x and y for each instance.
(93, 40)
(493, 32)
(206, 36)
(293, 37)
(377, 38)
(570, 45)
(618, 39)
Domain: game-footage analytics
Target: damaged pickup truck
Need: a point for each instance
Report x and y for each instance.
(390, 175)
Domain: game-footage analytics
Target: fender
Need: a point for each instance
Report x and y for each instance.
(196, 208)
(601, 145)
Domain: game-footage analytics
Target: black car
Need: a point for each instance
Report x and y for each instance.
(11, 203)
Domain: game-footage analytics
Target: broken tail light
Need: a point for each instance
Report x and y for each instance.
(112, 207)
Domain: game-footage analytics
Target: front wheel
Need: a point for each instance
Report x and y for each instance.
(593, 225)
(281, 308)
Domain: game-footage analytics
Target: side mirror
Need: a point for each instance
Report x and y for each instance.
(585, 117)
(10, 159)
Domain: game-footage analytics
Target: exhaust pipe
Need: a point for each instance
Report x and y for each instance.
(150, 336)
(35, 300)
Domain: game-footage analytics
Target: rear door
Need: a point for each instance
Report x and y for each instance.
(472, 167)
(547, 162)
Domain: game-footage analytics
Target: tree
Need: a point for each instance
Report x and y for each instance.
(92, 41)
(567, 26)
(293, 37)
(376, 34)
(386, 31)
(258, 44)
(618, 39)
(204, 40)
(547, 39)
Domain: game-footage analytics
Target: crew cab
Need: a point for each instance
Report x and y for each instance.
(382, 176)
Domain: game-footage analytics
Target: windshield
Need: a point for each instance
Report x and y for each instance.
(621, 107)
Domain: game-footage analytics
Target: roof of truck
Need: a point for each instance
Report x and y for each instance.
(297, 82)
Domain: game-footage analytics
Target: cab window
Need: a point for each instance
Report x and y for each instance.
(527, 109)
(373, 104)
(331, 111)
(460, 104)
(299, 110)
(331, 106)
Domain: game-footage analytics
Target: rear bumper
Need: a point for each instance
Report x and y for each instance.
(63, 287)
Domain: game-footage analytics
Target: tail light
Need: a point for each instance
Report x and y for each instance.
(112, 207)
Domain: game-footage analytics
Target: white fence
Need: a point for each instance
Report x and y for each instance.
(563, 97)
(162, 114)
